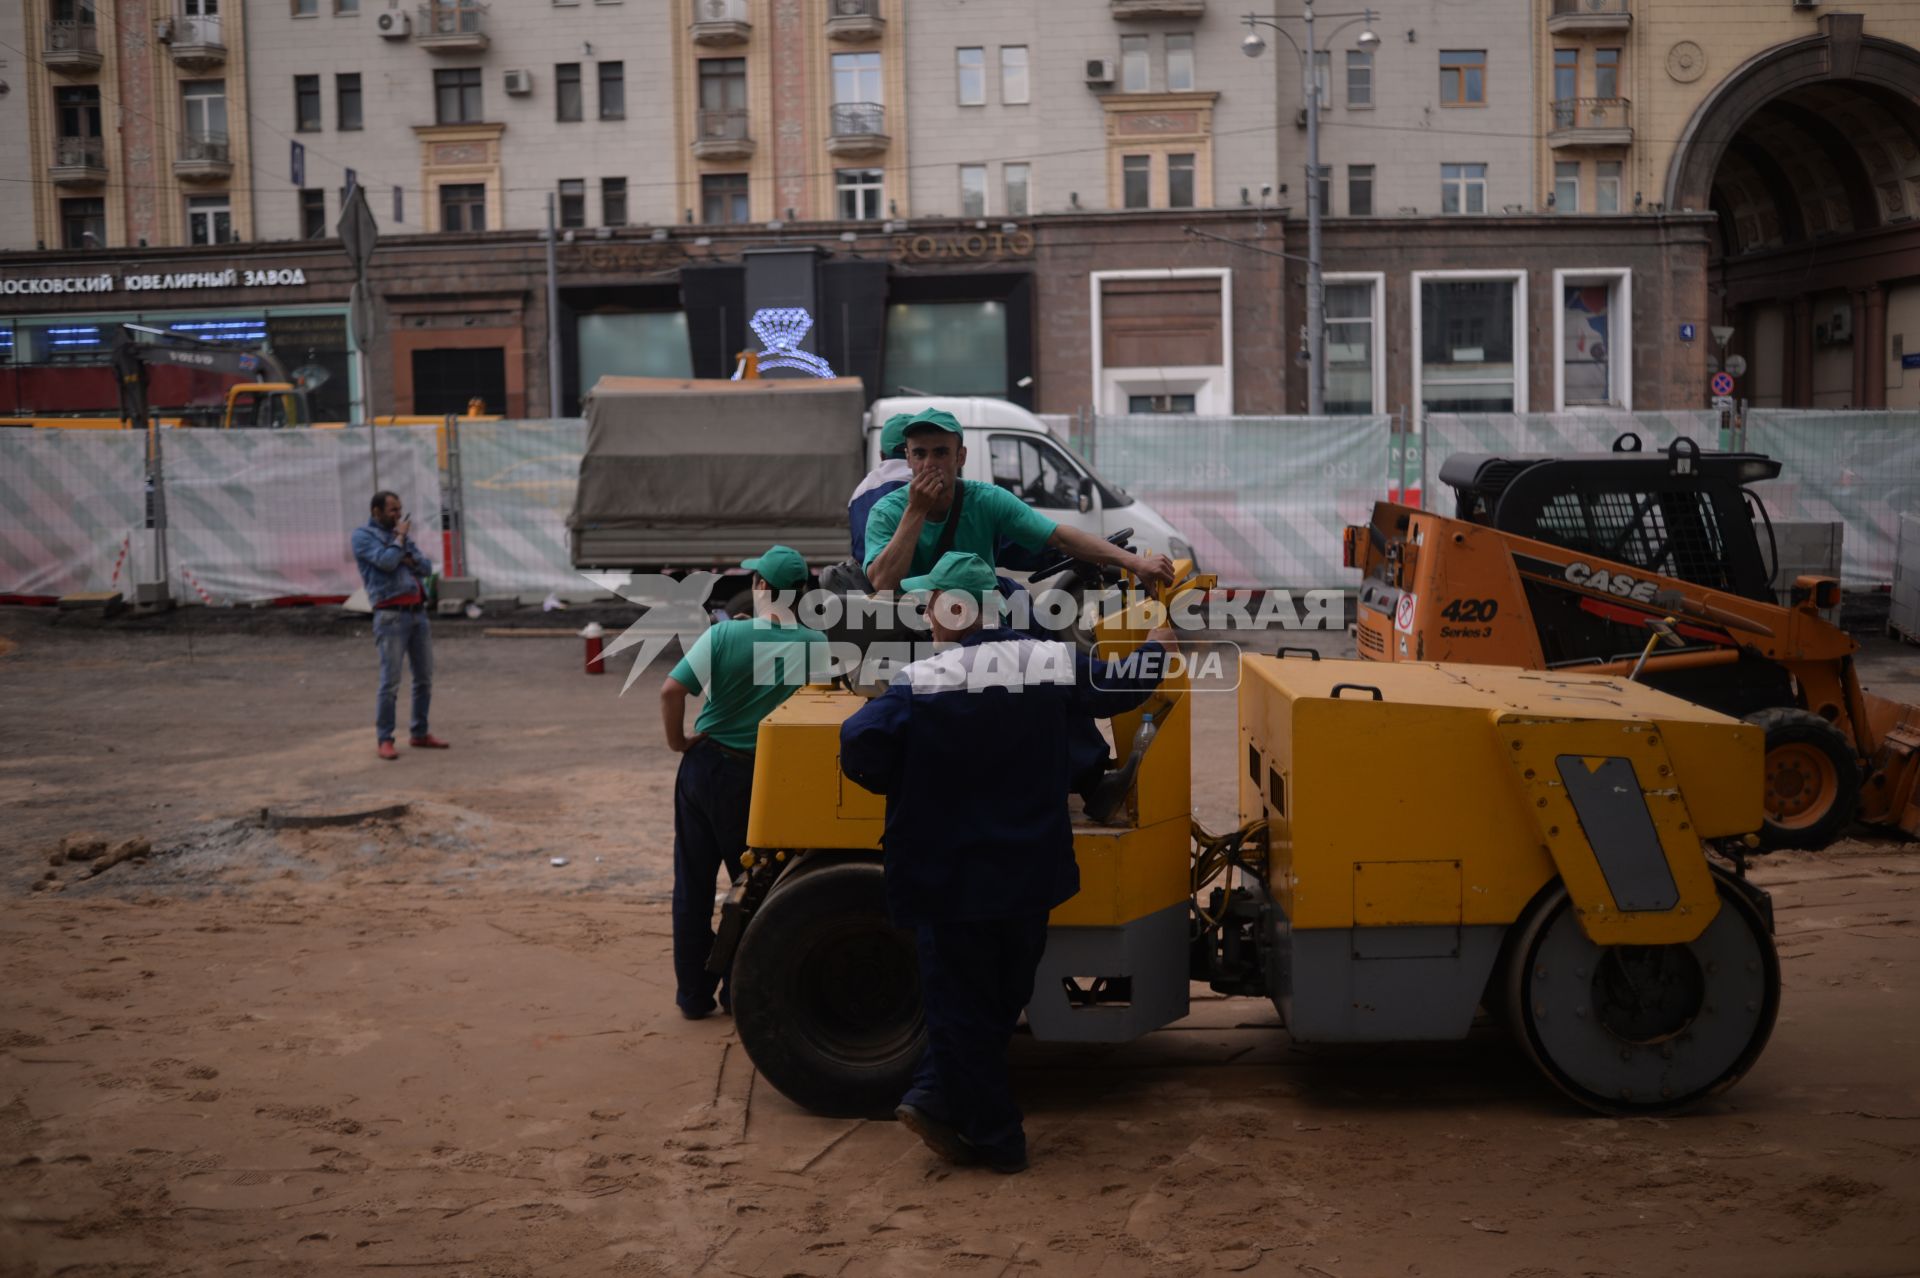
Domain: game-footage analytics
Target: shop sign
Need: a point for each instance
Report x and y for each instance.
(650, 256)
(156, 282)
(966, 246)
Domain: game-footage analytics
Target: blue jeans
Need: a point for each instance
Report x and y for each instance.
(397, 633)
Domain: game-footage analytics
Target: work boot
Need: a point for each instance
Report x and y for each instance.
(936, 1135)
(428, 742)
(387, 751)
(1004, 1162)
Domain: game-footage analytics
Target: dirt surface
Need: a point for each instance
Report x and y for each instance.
(412, 1043)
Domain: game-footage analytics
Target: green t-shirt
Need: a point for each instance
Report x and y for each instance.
(746, 668)
(988, 514)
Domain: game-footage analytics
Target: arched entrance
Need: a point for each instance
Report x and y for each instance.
(1809, 156)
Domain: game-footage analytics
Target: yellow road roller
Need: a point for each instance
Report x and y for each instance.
(1417, 842)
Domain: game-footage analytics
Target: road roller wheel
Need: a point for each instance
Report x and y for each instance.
(1812, 779)
(826, 992)
(1643, 1029)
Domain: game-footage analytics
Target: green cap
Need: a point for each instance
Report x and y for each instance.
(893, 436)
(938, 418)
(781, 566)
(958, 572)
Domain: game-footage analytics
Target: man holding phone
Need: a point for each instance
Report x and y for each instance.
(394, 571)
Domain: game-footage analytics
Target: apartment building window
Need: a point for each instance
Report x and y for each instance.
(573, 202)
(613, 90)
(348, 112)
(1566, 85)
(1606, 73)
(78, 107)
(566, 90)
(205, 110)
(1352, 350)
(1323, 77)
(313, 214)
(209, 220)
(1016, 182)
(346, 6)
(1463, 77)
(1136, 180)
(1134, 55)
(1360, 190)
(456, 96)
(306, 8)
(723, 84)
(971, 66)
(856, 78)
(1180, 180)
(83, 223)
(613, 201)
(1359, 80)
(1606, 186)
(1180, 63)
(80, 11)
(973, 190)
(1463, 188)
(723, 197)
(1014, 87)
(859, 191)
(306, 104)
(1566, 186)
(463, 207)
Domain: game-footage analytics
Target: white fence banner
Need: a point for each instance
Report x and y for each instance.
(72, 511)
(519, 478)
(1860, 468)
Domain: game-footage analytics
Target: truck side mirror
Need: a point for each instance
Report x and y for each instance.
(1086, 493)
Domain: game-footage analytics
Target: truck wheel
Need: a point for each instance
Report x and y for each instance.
(1643, 1029)
(1812, 779)
(826, 993)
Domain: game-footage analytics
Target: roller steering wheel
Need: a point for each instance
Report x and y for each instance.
(1089, 574)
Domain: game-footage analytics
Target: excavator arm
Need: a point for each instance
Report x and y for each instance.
(133, 358)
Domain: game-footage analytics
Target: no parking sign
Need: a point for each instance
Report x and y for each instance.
(1722, 383)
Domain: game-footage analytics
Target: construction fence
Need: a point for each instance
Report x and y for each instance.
(251, 516)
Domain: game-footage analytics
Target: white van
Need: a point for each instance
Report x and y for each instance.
(1009, 446)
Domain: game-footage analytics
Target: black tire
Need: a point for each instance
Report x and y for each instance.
(1643, 1029)
(1812, 779)
(826, 992)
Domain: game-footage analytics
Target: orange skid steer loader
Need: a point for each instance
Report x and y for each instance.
(1564, 563)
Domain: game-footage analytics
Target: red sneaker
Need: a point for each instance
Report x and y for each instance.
(428, 742)
(387, 751)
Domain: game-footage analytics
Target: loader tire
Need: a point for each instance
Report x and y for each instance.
(1812, 779)
(1643, 1029)
(826, 992)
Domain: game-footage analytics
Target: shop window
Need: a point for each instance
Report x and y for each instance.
(313, 214)
(83, 223)
(209, 220)
(566, 91)
(613, 90)
(463, 207)
(723, 197)
(573, 202)
(970, 66)
(1593, 339)
(1161, 404)
(1467, 345)
(859, 192)
(1352, 345)
(633, 344)
(1463, 77)
(613, 201)
(1463, 188)
(306, 104)
(456, 96)
(947, 348)
(445, 380)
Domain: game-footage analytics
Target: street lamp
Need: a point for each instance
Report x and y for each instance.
(1253, 46)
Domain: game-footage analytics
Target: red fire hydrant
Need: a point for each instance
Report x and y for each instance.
(593, 634)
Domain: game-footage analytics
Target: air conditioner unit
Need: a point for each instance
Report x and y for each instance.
(1099, 70)
(163, 30)
(394, 24)
(519, 83)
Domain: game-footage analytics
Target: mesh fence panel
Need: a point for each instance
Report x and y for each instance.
(1857, 468)
(1263, 499)
(70, 500)
(518, 484)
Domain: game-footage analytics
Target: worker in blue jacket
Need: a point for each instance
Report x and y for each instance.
(970, 748)
(891, 473)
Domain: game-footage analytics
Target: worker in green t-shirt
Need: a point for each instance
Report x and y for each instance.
(745, 668)
(905, 527)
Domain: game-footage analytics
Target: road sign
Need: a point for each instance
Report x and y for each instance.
(1723, 403)
(358, 234)
(1737, 365)
(1687, 332)
(1722, 383)
(1722, 334)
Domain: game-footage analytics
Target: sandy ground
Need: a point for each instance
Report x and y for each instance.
(415, 1045)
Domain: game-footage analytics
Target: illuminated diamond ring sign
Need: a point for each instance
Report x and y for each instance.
(780, 330)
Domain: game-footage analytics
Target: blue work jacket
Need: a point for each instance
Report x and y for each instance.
(390, 565)
(970, 748)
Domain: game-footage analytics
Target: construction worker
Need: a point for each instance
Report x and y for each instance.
(970, 748)
(745, 668)
(394, 571)
(907, 529)
(891, 473)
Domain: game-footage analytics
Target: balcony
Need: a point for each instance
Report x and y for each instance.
(1124, 9)
(859, 128)
(720, 22)
(193, 40)
(1590, 122)
(855, 20)
(723, 136)
(454, 26)
(1596, 16)
(71, 46)
(203, 159)
(79, 162)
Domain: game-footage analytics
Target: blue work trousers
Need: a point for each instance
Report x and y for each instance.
(711, 795)
(402, 633)
(974, 980)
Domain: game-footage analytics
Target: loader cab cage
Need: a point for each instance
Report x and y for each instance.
(1680, 513)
